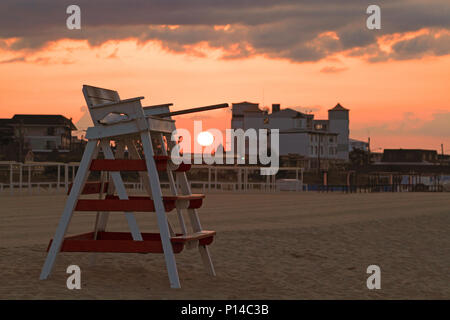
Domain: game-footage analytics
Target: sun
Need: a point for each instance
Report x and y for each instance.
(205, 138)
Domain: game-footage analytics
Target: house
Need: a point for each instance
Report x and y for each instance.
(6, 132)
(410, 156)
(412, 162)
(37, 133)
(300, 133)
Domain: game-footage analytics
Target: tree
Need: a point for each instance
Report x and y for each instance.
(358, 158)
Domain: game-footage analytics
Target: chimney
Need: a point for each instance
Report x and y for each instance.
(275, 107)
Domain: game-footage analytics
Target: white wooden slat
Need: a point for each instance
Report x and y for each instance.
(71, 202)
(160, 212)
(95, 95)
(114, 130)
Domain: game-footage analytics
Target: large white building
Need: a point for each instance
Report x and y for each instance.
(300, 133)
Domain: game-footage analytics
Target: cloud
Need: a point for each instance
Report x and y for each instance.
(427, 44)
(332, 69)
(437, 127)
(299, 31)
(411, 126)
(13, 60)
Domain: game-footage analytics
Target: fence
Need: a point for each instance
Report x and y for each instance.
(53, 177)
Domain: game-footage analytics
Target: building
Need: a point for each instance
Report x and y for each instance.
(412, 167)
(358, 144)
(38, 133)
(300, 133)
(410, 156)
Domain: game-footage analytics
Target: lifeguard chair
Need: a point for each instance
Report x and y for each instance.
(132, 127)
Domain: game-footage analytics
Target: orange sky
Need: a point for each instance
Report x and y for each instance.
(394, 102)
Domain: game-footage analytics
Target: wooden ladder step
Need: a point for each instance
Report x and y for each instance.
(139, 203)
(134, 164)
(205, 237)
(123, 242)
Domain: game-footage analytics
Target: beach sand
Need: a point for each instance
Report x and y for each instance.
(268, 246)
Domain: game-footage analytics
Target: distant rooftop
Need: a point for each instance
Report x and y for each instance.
(338, 107)
(246, 102)
(39, 119)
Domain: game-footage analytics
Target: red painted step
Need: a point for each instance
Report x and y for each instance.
(123, 242)
(136, 203)
(133, 165)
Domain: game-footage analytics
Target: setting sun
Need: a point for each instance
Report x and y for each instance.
(205, 138)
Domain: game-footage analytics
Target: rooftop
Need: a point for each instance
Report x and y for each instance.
(338, 107)
(41, 119)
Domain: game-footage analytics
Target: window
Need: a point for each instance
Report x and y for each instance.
(315, 150)
(331, 139)
(311, 150)
(50, 131)
(330, 150)
(321, 150)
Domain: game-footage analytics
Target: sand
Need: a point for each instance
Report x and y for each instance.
(268, 246)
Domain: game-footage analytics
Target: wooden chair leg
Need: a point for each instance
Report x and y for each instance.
(61, 230)
(160, 212)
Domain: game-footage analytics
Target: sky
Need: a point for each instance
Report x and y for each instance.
(306, 55)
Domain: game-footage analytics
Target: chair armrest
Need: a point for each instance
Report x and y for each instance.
(158, 106)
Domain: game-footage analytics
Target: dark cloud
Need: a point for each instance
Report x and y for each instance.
(13, 60)
(290, 29)
(427, 44)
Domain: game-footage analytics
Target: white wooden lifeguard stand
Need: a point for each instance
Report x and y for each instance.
(132, 124)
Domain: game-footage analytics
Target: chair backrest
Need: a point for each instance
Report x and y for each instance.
(94, 95)
(102, 114)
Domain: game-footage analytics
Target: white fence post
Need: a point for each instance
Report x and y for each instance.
(66, 177)
(11, 179)
(59, 178)
(29, 178)
(20, 177)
